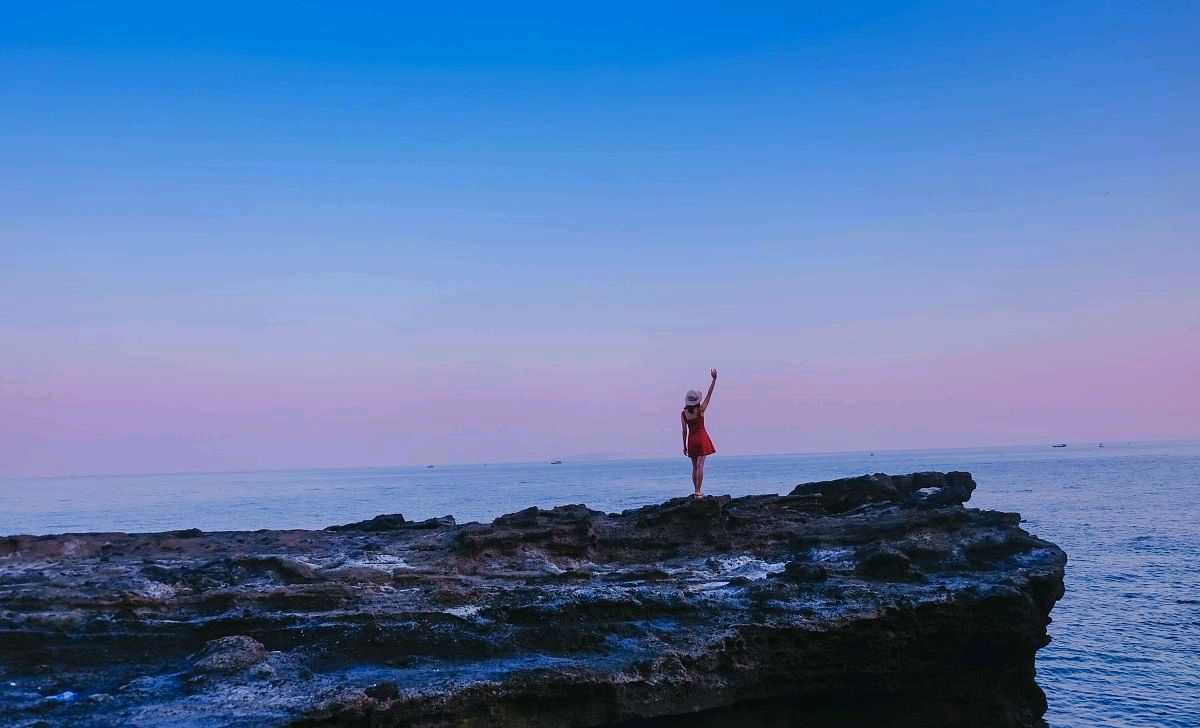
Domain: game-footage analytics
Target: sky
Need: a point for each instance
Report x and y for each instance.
(291, 235)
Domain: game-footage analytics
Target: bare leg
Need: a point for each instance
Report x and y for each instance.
(698, 475)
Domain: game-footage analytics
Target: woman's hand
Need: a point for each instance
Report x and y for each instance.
(685, 452)
(714, 374)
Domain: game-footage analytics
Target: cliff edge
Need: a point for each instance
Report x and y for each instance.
(877, 600)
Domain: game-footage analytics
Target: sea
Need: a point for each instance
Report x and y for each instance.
(1125, 647)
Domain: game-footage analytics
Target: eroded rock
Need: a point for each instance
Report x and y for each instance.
(876, 600)
(229, 655)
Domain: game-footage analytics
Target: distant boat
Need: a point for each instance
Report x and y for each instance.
(1063, 444)
(429, 466)
(556, 462)
(1101, 444)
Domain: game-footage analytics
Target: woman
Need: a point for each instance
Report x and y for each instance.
(696, 443)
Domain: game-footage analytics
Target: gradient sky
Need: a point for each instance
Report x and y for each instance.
(262, 235)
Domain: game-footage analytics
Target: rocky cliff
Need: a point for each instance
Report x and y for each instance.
(878, 600)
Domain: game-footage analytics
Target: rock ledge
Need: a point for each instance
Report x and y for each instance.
(877, 600)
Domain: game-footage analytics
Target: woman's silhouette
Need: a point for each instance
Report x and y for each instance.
(696, 443)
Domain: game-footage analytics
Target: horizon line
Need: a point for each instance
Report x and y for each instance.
(566, 460)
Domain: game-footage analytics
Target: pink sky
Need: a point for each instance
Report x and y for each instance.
(815, 389)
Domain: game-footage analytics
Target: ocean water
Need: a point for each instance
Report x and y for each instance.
(1126, 637)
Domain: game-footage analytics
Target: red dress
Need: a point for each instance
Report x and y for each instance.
(698, 442)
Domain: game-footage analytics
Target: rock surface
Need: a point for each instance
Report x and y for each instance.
(877, 600)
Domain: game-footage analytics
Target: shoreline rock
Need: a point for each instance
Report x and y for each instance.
(876, 600)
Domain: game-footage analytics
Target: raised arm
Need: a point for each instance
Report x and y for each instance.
(704, 404)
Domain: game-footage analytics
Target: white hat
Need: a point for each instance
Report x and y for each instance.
(693, 397)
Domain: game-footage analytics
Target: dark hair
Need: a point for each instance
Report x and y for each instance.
(691, 408)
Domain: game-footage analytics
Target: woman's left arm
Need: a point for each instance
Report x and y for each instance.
(683, 424)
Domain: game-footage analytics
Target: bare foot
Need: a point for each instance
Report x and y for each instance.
(699, 495)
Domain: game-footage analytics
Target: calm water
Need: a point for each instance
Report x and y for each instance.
(1126, 649)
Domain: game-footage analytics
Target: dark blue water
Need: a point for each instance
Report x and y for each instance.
(1126, 649)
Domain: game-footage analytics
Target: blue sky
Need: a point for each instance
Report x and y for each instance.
(316, 234)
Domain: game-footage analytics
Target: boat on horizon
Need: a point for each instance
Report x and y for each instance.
(1060, 445)
(556, 462)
